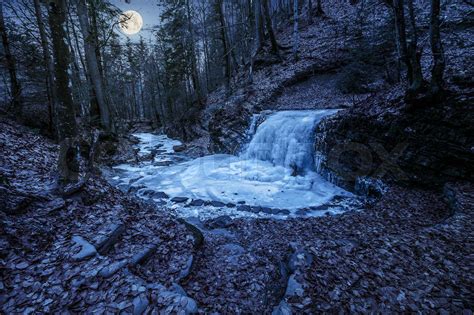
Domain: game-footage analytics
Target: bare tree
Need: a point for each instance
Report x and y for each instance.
(437, 72)
(414, 53)
(225, 42)
(309, 12)
(319, 9)
(399, 11)
(90, 48)
(295, 30)
(68, 165)
(268, 25)
(48, 61)
(10, 61)
(194, 69)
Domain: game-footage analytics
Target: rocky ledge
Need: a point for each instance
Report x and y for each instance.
(421, 144)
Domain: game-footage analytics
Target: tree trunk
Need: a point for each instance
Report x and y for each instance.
(319, 9)
(401, 37)
(295, 29)
(309, 12)
(95, 34)
(225, 45)
(10, 61)
(194, 69)
(259, 32)
(90, 48)
(268, 24)
(437, 72)
(67, 128)
(48, 62)
(414, 53)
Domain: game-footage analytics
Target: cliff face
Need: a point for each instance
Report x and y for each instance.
(421, 144)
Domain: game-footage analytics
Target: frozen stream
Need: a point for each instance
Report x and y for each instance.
(275, 171)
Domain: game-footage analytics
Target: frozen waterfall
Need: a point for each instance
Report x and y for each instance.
(276, 169)
(286, 138)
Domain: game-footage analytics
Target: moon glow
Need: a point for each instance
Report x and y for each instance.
(130, 22)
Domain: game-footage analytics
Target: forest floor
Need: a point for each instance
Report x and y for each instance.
(102, 250)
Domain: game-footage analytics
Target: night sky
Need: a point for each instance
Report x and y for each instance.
(148, 9)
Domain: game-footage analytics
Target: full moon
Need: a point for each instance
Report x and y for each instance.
(130, 22)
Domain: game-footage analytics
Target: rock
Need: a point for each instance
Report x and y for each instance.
(299, 258)
(134, 189)
(244, 208)
(282, 309)
(284, 212)
(22, 265)
(241, 202)
(140, 304)
(217, 204)
(178, 289)
(141, 257)
(195, 231)
(220, 222)
(187, 269)
(230, 205)
(111, 269)
(196, 203)
(147, 193)
(302, 212)
(109, 240)
(231, 250)
(266, 210)
(55, 205)
(294, 288)
(160, 195)
(180, 304)
(179, 148)
(320, 208)
(256, 209)
(179, 199)
(87, 249)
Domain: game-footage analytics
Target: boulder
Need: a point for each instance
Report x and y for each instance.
(221, 222)
(244, 208)
(179, 148)
(179, 199)
(160, 195)
(87, 250)
(196, 203)
(217, 204)
(141, 257)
